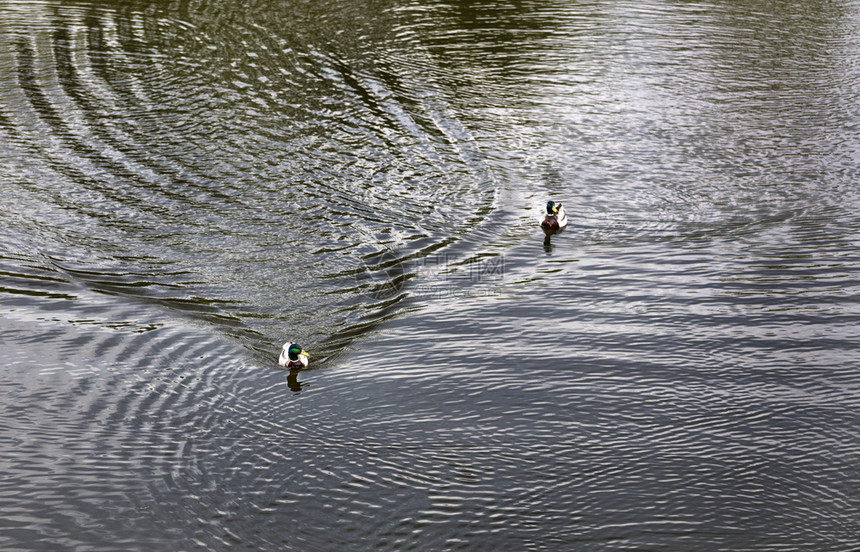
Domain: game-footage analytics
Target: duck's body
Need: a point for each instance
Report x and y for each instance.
(293, 356)
(555, 219)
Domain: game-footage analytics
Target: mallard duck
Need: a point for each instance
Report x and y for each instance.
(293, 356)
(555, 219)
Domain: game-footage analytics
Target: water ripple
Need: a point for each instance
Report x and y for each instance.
(242, 139)
(187, 185)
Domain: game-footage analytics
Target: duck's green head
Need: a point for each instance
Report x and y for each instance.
(294, 351)
(552, 208)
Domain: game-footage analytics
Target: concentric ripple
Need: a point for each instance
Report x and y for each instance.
(266, 166)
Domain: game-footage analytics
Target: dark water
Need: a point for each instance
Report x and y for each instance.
(187, 185)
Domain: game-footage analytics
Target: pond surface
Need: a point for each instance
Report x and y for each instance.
(187, 185)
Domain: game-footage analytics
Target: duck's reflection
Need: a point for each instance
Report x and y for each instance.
(547, 240)
(293, 381)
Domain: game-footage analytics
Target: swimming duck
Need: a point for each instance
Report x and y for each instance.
(555, 219)
(293, 356)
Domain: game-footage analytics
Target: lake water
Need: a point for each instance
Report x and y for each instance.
(186, 185)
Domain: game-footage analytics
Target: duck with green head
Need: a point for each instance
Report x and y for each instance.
(293, 356)
(555, 219)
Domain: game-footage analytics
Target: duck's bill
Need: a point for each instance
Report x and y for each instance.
(304, 353)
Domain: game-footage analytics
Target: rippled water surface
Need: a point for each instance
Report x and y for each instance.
(187, 185)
